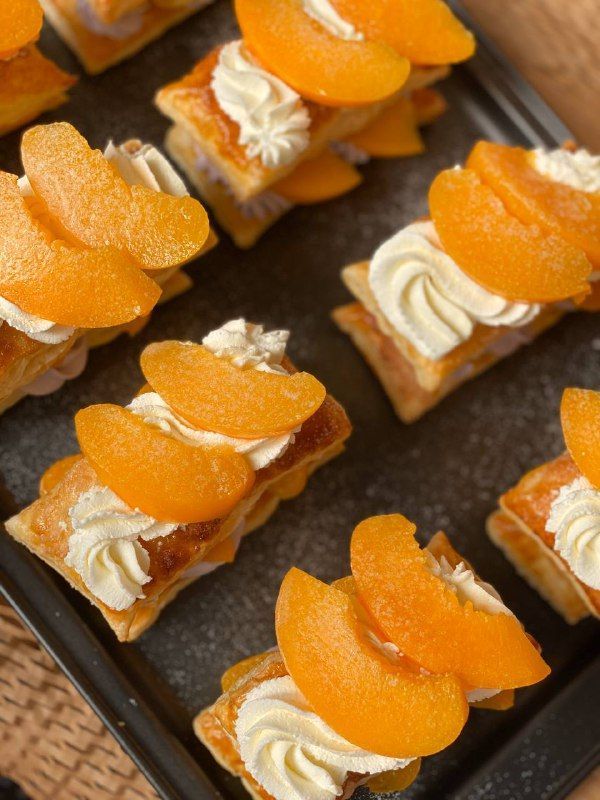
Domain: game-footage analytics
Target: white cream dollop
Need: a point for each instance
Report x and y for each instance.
(104, 549)
(575, 521)
(580, 170)
(326, 15)
(428, 299)
(145, 166)
(71, 367)
(155, 411)
(273, 120)
(293, 753)
(248, 345)
(467, 586)
(36, 328)
(128, 25)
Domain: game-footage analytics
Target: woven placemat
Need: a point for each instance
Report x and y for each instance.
(51, 743)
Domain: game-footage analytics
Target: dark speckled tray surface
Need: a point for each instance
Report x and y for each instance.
(443, 472)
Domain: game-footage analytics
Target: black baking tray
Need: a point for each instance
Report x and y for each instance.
(446, 471)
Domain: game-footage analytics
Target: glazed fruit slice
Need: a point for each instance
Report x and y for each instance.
(96, 207)
(237, 671)
(67, 285)
(424, 617)
(393, 134)
(215, 395)
(396, 780)
(163, 477)
(318, 179)
(222, 553)
(517, 261)
(534, 198)
(426, 32)
(375, 704)
(56, 472)
(20, 24)
(429, 104)
(318, 65)
(580, 418)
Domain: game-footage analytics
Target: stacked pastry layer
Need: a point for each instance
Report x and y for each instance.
(89, 244)
(371, 673)
(512, 243)
(166, 487)
(283, 115)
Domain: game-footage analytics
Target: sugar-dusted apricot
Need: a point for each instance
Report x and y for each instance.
(97, 207)
(429, 104)
(426, 32)
(534, 198)
(56, 472)
(156, 473)
(318, 179)
(215, 395)
(393, 134)
(222, 553)
(239, 670)
(318, 65)
(20, 24)
(499, 702)
(518, 261)
(396, 780)
(592, 301)
(379, 706)
(580, 418)
(66, 284)
(424, 617)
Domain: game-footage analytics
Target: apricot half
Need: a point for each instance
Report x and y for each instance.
(379, 706)
(429, 104)
(20, 23)
(318, 65)
(393, 134)
(97, 207)
(426, 32)
(424, 617)
(162, 476)
(56, 472)
(318, 179)
(68, 285)
(502, 254)
(580, 418)
(534, 198)
(215, 395)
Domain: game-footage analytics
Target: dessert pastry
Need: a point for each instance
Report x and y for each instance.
(102, 33)
(548, 525)
(165, 488)
(89, 243)
(370, 673)
(29, 83)
(512, 244)
(315, 87)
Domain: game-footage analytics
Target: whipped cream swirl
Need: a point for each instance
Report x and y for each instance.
(293, 753)
(272, 118)
(326, 15)
(104, 549)
(575, 521)
(248, 345)
(467, 586)
(41, 330)
(580, 170)
(156, 412)
(144, 165)
(429, 300)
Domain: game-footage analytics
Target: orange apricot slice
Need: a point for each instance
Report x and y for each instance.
(232, 675)
(65, 284)
(215, 395)
(382, 707)
(534, 198)
(429, 104)
(425, 618)
(505, 256)
(499, 702)
(56, 472)
(222, 553)
(395, 780)
(97, 207)
(162, 476)
(592, 301)
(318, 179)
(393, 134)
(580, 418)
(426, 32)
(20, 24)
(318, 65)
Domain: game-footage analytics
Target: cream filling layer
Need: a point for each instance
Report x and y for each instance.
(575, 522)
(292, 752)
(429, 300)
(326, 15)
(579, 170)
(272, 119)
